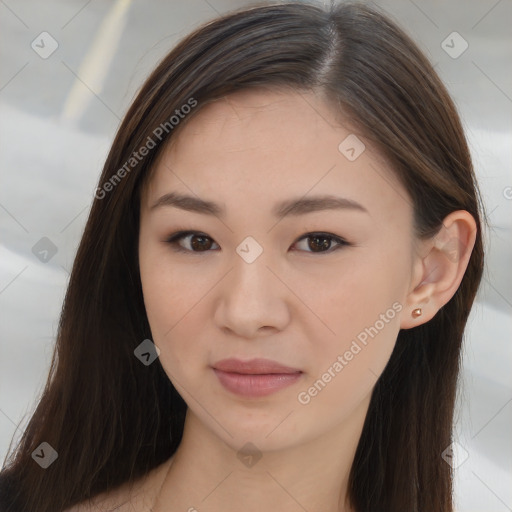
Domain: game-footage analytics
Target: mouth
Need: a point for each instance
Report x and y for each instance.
(255, 378)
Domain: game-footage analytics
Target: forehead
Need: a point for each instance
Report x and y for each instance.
(250, 120)
(274, 144)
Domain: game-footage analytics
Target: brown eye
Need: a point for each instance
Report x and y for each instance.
(200, 243)
(194, 242)
(197, 242)
(321, 242)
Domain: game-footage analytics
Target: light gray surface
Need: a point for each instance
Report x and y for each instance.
(57, 120)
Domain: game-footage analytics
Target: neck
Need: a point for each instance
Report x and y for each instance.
(207, 473)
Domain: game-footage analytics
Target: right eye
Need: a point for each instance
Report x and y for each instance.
(198, 242)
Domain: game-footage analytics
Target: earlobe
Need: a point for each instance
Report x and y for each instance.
(440, 270)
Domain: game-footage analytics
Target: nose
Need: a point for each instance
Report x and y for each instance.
(253, 300)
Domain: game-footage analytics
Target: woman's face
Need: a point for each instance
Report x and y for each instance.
(279, 272)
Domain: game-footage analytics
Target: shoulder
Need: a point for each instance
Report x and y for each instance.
(138, 496)
(121, 499)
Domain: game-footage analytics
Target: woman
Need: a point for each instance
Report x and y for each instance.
(267, 305)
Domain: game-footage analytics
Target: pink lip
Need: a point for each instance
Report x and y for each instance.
(255, 378)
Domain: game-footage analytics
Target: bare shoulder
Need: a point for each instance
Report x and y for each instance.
(137, 497)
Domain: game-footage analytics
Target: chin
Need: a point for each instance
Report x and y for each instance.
(268, 432)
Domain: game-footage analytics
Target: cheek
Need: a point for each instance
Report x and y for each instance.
(352, 296)
(168, 299)
(345, 374)
(362, 307)
(168, 292)
(156, 281)
(173, 300)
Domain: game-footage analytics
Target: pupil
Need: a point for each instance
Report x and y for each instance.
(324, 245)
(202, 244)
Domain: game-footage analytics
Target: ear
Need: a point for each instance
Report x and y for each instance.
(439, 267)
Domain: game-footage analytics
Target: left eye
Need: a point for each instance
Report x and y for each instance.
(199, 242)
(323, 241)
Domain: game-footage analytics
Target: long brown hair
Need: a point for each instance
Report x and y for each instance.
(112, 419)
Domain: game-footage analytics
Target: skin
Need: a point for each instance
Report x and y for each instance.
(293, 305)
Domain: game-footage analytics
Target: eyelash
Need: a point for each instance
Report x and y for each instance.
(176, 237)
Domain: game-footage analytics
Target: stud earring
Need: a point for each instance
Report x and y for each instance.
(416, 312)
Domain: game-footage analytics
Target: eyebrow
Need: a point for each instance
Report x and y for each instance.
(299, 206)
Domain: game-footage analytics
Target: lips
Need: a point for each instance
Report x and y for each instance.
(255, 378)
(253, 367)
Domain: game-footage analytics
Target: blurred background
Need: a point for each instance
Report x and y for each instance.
(69, 70)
